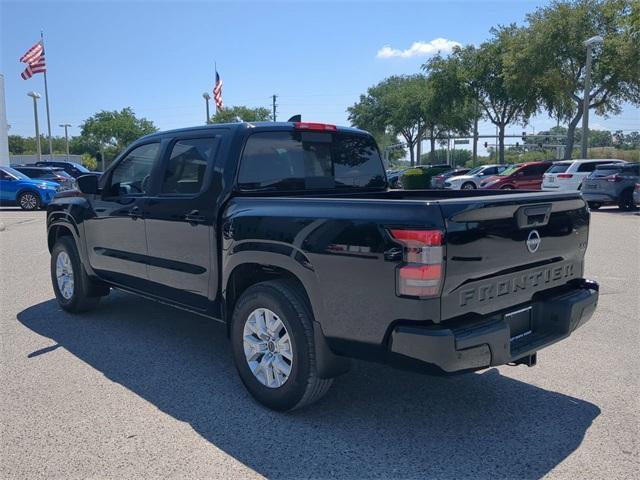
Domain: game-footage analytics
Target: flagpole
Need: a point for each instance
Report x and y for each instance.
(215, 76)
(46, 99)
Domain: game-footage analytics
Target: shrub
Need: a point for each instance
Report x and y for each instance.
(416, 179)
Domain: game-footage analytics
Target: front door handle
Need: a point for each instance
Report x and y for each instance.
(194, 217)
(135, 213)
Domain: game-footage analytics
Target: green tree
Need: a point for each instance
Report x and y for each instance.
(495, 76)
(240, 113)
(395, 106)
(115, 129)
(19, 145)
(556, 51)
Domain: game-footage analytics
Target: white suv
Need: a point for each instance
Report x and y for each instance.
(471, 180)
(568, 174)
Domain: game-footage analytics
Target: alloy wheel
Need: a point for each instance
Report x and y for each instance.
(64, 275)
(267, 348)
(28, 201)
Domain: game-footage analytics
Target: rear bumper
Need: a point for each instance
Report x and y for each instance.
(480, 343)
(598, 197)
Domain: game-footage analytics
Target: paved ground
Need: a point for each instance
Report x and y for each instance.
(137, 390)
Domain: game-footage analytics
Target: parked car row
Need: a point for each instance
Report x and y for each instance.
(601, 181)
(33, 186)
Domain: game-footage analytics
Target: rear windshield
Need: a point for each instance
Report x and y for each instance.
(558, 168)
(293, 161)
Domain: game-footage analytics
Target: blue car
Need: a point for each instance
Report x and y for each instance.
(16, 187)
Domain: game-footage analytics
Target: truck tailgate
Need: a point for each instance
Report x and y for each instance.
(501, 250)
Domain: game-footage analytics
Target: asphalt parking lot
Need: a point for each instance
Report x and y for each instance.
(139, 390)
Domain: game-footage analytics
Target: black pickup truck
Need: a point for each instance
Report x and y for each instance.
(288, 234)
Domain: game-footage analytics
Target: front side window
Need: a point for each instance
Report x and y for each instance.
(10, 173)
(509, 171)
(131, 176)
(310, 161)
(188, 161)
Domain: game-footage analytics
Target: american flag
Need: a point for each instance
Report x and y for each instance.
(217, 92)
(34, 58)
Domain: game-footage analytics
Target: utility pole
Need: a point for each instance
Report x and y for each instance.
(274, 106)
(66, 136)
(475, 137)
(587, 95)
(35, 97)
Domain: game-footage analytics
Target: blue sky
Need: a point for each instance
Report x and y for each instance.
(158, 57)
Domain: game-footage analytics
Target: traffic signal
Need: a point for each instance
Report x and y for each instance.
(524, 137)
(486, 144)
(517, 144)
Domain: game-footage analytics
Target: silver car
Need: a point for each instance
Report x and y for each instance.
(472, 179)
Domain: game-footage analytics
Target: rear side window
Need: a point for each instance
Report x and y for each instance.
(187, 165)
(293, 160)
(632, 170)
(558, 168)
(587, 167)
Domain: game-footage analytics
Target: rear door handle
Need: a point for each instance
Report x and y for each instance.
(194, 217)
(135, 213)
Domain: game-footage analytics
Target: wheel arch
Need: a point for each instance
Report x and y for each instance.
(244, 274)
(28, 190)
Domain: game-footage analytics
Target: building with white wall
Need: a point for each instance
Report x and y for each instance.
(4, 128)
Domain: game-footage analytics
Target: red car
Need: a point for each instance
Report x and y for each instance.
(524, 176)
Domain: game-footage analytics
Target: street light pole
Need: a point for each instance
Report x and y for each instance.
(587, 94)
(35, 97)
(207, 97)
(66, 136)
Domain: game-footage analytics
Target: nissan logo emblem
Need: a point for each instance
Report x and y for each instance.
(533, 241)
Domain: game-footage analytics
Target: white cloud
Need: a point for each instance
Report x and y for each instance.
(422, 49)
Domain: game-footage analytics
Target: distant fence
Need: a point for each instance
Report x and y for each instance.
(20, 159)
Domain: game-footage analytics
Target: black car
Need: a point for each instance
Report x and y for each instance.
(72, 168)
(57, 175)
(288, 235)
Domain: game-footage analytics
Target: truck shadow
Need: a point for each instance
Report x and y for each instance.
(375, 422)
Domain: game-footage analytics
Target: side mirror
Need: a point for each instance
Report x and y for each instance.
(88, 184)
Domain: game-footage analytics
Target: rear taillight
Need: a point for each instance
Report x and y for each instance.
(565, 175)
(613, 178)
(318, 127)
(422, 272)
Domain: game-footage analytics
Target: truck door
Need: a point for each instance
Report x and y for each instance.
(114, 232)
(181, 219)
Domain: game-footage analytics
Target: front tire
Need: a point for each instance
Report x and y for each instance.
(469, 186)
(273, 346)
(29, 201)
(594, 205)
(73, 288)
(507, 187)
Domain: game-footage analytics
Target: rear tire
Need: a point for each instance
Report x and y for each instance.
(29, 201)
(468, 186)
(72, 286)
(257, 348)
(626, 202)
(507, 187)
(594, 205)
